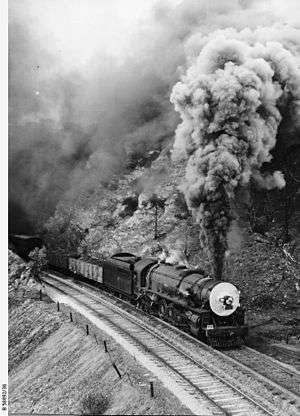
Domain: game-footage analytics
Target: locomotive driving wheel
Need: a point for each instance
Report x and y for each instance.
(162, 309)
(172, 314)
(144, 304)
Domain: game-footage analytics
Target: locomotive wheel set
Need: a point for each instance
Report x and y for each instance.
(187, 298)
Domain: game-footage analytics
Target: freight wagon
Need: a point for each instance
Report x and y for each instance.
(91, 269)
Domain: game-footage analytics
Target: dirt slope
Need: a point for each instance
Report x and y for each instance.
(55, 368)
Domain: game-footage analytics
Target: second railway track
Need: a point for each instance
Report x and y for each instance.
(217, 381)
(272, 372)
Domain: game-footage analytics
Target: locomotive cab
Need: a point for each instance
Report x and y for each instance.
(141, 269)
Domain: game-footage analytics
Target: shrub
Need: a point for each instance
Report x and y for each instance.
(16, 267)
(38, 260)
(93, 404)
(264, 300)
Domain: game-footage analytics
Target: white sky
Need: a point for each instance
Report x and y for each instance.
(80, 28)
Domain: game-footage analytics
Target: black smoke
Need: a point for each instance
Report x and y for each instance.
(72, 130)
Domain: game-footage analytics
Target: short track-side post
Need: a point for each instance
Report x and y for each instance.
(57, 304)
(71, 317)
(151, 389)
(117, 370)
(105, 346)
(87, 329)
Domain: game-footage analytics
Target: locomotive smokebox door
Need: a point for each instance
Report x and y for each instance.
(224, 299)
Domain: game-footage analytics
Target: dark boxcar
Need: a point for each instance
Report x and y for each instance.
(58, 261)
(141, 269)
(118, 273)
(24, 244)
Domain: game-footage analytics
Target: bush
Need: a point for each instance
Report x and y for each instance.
(93, 404)
(38, 260)
(264, 301)
(16, 267)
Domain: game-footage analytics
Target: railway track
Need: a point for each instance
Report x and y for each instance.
(204, 375)
(280, 378)
(268, 376)
(272, 371)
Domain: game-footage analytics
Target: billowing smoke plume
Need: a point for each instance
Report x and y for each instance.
(73, 126)
(231, 101)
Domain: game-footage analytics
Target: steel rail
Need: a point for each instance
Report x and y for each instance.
(285, 367)
(247, 355)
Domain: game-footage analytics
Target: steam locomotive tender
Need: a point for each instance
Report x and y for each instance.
(186, 298)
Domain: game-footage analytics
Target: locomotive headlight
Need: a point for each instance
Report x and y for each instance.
(224, 299)
(227, 302)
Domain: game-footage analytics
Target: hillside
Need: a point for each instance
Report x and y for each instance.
(121, 217)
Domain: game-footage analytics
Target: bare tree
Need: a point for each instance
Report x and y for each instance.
(156, 203)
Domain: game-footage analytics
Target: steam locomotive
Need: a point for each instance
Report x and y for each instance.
(187, 298)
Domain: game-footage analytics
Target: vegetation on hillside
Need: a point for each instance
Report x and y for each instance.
(264, 244)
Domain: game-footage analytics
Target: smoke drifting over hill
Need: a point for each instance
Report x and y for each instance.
(73, 127)
(76, 122)
(231, 102)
